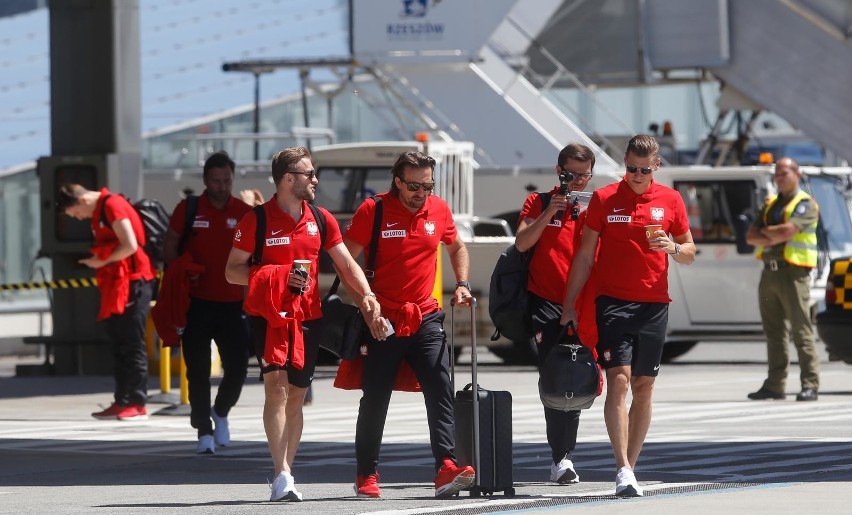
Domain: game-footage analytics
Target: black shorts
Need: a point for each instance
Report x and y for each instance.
(301, 378)
(631, 333)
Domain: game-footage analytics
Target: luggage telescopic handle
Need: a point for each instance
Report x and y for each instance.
(474, 381)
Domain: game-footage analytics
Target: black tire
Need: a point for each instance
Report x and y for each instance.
(674, 350)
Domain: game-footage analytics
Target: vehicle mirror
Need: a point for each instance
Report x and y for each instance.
(741, 225)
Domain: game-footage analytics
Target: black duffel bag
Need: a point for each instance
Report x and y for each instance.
(570, 378)
(343, 325)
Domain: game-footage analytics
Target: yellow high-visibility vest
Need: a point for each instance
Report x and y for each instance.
(801, 249)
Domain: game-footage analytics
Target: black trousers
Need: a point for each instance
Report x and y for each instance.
(428, 354)
(227, 325)
(127, 334)
(561, 425)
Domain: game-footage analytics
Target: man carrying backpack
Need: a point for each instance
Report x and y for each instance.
(126, 283)
(200, 232)
(284, 303)
(555, 232)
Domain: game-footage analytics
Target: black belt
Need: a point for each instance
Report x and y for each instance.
(775, 264)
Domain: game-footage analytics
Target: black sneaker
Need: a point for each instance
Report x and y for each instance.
(764, 394)
(807, 394)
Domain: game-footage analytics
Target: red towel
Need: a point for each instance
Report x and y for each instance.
(269, 297)
(169, 313)
(113, 282)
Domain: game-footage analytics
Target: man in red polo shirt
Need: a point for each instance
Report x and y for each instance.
(216, 306)
(413, 225)
(285, 307)
(126, 285)
(633, 299)
(555, 234)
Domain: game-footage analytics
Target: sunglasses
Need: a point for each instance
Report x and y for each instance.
(310, 175)
(415, 186)
(634, 169)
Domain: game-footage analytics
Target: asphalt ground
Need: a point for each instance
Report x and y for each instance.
(709, 450)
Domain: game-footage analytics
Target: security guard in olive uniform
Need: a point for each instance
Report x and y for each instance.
(786, 238)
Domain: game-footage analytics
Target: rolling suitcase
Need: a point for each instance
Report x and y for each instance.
(483, 426)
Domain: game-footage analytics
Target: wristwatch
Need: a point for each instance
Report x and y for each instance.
(463, 283)
(677, 249)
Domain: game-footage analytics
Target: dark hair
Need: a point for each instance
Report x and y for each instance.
(642, 145)
(69, 195)
(576, 152)
(219, 159)
(410, 159)
(285, 160)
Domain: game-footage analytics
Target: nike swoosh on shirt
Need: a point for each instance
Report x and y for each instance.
(618, 210)
(392, 224)
(276, 232)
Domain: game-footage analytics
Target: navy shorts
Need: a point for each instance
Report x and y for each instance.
(631, 333)
(301, 378)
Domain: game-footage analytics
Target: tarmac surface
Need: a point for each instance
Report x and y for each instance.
(709, 450)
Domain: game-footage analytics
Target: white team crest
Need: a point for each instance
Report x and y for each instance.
(313, 230)
(657, 214)
(237, 235)
(429, 227)
(232, 222)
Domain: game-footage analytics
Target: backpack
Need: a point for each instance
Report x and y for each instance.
(155, 219)
(508, 297)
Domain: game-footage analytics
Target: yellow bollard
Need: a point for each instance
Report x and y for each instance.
(438, 288)
(184, 384)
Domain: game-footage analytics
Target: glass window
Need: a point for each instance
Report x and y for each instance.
(714, 208)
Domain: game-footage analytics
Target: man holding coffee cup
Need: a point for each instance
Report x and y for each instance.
(286, 325)
(633, 220)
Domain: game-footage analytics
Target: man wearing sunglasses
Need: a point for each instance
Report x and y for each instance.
(555, 232)
(413, 225)
(632, 302)
(285, 317)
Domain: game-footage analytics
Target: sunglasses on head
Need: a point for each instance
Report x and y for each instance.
(634, 169)
(415, 186)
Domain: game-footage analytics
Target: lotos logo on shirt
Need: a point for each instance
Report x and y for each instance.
(619, 219)
(204, 224)
(554, 223)
(657, 214)
(398, 233)
(271, 242)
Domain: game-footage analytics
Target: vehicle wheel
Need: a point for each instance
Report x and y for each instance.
(673, 350)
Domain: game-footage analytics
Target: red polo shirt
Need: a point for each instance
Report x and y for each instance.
(626, 266)
(287, 240)
(406, 261)
(209, 244)
(115, 208)
(553, 253)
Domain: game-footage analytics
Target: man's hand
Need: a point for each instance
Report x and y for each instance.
(568, 315)
(372, 313)
(92, 262)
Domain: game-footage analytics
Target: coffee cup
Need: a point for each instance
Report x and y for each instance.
(303, 264)
(651, 231)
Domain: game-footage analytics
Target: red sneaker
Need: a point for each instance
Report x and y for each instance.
(452, 479)
(110, 413)
(368, 486)
(132, 412)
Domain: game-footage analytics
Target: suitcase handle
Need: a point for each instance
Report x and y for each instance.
(473, 366)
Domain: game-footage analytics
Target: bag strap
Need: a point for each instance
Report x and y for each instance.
(103, 218)
(320, 219)
(259, 234)
(369, 270)
(189, 219)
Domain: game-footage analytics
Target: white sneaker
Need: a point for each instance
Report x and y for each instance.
(221, 432)
(284, 489)
(626, 484)
(205, 445)
(563, 472)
